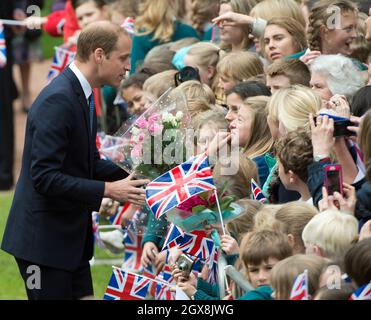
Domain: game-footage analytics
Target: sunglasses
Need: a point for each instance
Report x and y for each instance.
(186, 74)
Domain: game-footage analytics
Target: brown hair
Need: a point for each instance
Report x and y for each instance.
(285, 272)
(365, 142)
(127, 8)
(294, 28)
(240, 66)
(357, 262)
(243, 7)
(319, 16)
(294, 69)
(261, 140)
(295, 152)
(294, 216)
(160, 82)
(257, 247)
(102, 35)
(244, 223)
(239, 183)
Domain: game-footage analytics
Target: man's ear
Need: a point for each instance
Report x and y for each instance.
(98, 55)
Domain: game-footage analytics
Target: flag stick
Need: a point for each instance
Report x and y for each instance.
(220, 212)
(13, 22)
(139, 275)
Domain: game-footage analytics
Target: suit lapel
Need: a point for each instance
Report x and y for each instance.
(85, 109)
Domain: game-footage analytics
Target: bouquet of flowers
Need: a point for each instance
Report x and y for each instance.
(155, 142)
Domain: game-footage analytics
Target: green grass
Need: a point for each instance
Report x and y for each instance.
(11, 284)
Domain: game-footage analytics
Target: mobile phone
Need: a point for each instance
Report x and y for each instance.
(340, 128)
(333, 179)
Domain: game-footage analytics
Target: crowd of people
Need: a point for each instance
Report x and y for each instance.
(290, 80)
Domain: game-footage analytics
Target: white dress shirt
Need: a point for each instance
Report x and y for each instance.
(84, 83)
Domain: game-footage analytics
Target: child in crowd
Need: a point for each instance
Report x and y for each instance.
(253, 132)
(294, 154)
(330, 234)
(285, 272)
(285, 73)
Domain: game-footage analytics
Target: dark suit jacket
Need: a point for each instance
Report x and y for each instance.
(61, 180)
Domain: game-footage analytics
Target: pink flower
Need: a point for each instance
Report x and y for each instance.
(141, 123)
(154, 118)
(136, 152)
(212, 199)
(192, 202)
(155, 128)
(141, 137)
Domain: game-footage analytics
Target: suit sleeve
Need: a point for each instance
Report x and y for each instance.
(106, 170)
(51, 130)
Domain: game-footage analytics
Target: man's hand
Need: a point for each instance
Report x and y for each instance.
(127, 190)
(149, 254)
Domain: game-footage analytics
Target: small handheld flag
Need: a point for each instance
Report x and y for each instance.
(299, 290)
(257, 192)
(179, 184)
(3, 57)
(62, 58)
(362, 293)
(126, 286)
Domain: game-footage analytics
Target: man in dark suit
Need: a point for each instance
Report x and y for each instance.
(62, 177)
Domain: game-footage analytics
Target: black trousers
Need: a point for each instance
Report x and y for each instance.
(46, 283)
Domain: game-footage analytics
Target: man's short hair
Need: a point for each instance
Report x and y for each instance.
(295, 152)
(294, 69)
(102, 35)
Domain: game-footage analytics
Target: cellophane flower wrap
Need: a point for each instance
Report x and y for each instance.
(201, 210)
(156, 141)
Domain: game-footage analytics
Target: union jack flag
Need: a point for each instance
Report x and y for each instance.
(117, 218)
(62, 58)
(257, 192)
(150, 272)
(194, 243)
(126, 286)
(2, 47)
(299, 290)
(133, 251)
(173, 233)
(179, 184)
(163, 291)
(362, 293)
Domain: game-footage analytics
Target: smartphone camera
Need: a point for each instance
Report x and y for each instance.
(333, 179)
(185, 264)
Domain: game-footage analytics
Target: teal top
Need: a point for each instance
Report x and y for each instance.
(206, 291)
(260, 293)
(142, 44)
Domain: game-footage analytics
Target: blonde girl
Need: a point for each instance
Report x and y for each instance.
(157, 24)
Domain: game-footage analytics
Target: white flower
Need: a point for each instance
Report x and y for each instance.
(179, 115)
(135, 131)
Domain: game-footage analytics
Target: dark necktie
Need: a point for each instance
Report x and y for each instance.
(91, 111)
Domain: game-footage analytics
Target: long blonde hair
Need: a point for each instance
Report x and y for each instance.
(269, 9)
(365, 142)
(260, 141)
(157, 17)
